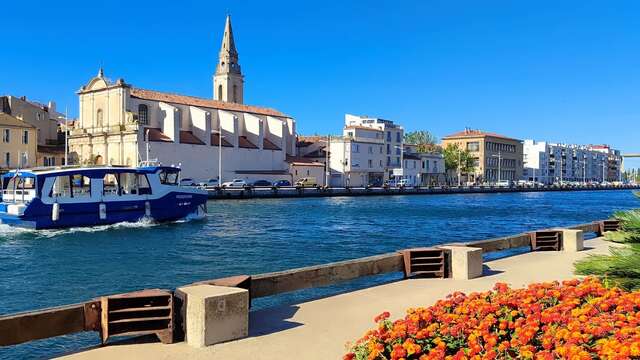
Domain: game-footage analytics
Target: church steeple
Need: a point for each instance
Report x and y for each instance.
(228, 80)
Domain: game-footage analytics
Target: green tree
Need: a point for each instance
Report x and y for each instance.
(425, 140)
(456, 158)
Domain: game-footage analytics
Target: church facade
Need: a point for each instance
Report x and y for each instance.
(121, 124)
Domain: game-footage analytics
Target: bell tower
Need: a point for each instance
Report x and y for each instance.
(228, 82)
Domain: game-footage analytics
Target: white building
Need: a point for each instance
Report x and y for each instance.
(552, 163)
(392, 136)
(430, 167)
(357, 157)
(122, 124)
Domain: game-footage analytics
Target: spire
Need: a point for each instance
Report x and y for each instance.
(100, 72)
(228, 44)
(228, 56)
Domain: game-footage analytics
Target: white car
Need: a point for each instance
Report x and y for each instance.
(503, 183)
(234, 183)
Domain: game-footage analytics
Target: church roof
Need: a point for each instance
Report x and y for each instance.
(201, 102)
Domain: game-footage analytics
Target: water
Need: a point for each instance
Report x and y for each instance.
(57, 267)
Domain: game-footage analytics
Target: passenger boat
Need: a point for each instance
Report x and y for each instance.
(63, 197)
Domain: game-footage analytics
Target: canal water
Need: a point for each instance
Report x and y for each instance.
(48, 268)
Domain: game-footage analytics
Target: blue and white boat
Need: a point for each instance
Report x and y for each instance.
(63, 197)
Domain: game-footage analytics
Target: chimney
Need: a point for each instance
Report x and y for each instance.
(52, 107)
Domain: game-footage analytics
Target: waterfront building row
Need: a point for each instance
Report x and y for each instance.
(550, 163)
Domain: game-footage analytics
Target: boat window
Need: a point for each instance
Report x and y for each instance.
(81, 186)
(134, 184)
(61, 187)
(110, 184)
(169, 177)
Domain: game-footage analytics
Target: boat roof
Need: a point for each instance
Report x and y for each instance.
(85, 170)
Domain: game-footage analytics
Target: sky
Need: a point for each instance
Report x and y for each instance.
(560, 71)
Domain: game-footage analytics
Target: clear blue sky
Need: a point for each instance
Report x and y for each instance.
(550, 70)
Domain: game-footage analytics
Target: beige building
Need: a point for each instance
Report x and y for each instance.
(18, 143)
(497, 157)
(122, 124)
(47, 121)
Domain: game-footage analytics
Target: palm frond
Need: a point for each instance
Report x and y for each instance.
(620, 268)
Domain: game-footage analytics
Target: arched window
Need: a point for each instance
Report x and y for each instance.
(143, 114)
(235, 93)
(220, 92)
(99, 118)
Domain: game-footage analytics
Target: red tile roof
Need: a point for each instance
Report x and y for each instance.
(268, 145)
(155, 134)
(187, 137)
(216, 137)
(201, 102)
(243, 142)
(467, 133)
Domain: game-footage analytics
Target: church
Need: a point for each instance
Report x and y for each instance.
(121, 124)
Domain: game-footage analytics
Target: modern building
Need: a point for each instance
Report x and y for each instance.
(18, 143)
(496, 157)
(357, 157)
(48, 122)
(392, 140)
(554, 163)
(123, 124)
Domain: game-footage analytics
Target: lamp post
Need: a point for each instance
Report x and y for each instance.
(499, 156)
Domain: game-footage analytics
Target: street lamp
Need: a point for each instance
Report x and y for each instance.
(499, 156)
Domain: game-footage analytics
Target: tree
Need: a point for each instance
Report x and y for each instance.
(425, 140)
(455, 158)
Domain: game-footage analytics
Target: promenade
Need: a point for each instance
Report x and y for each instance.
(320, 329)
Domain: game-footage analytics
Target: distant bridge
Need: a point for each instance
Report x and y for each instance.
(631, 155)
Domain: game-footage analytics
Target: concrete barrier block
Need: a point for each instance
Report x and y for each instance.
(466, 262)
(572, 240)
(215, 314)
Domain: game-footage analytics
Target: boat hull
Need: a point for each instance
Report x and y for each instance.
(170, 207)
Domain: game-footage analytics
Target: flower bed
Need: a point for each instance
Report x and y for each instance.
(572, 320)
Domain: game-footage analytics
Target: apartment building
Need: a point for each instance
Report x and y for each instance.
(496, 157)
(49, 124)
(392, 139)
(554, 163)
(18, 143)
(357, 158)
(431, 169)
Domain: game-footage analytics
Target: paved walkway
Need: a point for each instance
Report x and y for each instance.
(320, 329)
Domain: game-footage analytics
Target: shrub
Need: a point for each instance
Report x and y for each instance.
(620, 268)
(573, 320)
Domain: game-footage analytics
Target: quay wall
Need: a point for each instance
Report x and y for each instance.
(299, 192)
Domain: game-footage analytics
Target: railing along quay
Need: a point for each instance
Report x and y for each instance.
(249, 192)
(132, 310)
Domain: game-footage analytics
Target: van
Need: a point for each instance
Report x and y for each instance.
(307, 182)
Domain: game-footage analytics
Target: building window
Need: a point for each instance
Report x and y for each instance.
(398, 137)
(220, 92)
(24, 159)
(388, 135)
(370, 163)
(7, 159)
(235, 93)
(370, 149)
(473, 146)
(99, 118)
(25, 137)
(6, 135)
(143, 114)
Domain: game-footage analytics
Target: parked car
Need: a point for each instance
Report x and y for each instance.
(209, 183)
(281, 183)
(261, 183)
(376, 183)
(397, 182)
(307, 182)
(234, 183)
(187, 182)
(503, 183)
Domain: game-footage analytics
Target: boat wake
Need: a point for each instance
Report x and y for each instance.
(7, 232)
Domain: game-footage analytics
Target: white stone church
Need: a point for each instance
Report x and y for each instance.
(121, 124)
